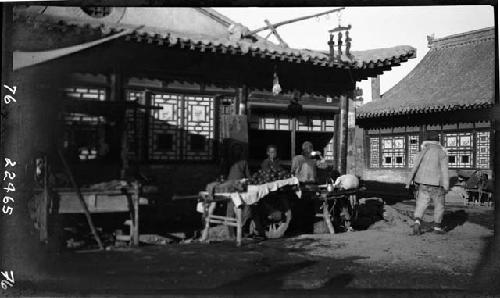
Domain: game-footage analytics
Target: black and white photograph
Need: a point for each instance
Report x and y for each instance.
(222, 149)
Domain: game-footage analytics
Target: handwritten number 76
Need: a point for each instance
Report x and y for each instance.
(9, 98)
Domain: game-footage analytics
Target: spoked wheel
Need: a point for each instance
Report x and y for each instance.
(339, 214)
(275, 230)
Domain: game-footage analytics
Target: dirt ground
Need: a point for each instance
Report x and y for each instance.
(385, 256)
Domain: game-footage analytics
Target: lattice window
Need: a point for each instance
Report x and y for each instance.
(329, 125)
(84, 135)
(460, 149)
(374, 152)
(198, 127)
(166, 124)
(413, 148)
(86, 93)
(269, 122)
(393, 152)
(314, 123)
(283, 122)
(483, 150)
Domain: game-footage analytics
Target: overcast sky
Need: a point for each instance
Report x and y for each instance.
(372, 27)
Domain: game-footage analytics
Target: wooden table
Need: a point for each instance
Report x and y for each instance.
(102, 201)
(252, 196)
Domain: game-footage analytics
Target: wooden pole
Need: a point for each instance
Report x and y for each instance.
(135, 200)
(328, 218)
(44, 205)
(82, 201)
(124, 148)
(238, 226)
(294, 20)
(243, 100)
(344, 105)
(148, 97)
(292, 137)
(237, 101)
(336, 141)
(275, 33)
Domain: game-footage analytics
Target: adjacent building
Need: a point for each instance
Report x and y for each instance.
(452, 91)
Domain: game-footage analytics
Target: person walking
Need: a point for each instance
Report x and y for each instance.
(430, 176)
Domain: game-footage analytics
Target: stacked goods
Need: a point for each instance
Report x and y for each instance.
(266, 176)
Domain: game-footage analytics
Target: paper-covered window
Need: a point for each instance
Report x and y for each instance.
(460, 149)
(483, 150)
(393, 152)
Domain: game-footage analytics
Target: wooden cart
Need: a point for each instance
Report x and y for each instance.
(331, 199)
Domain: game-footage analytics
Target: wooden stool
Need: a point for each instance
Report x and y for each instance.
(208, 209)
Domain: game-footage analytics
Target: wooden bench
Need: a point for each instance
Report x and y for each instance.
(478, 197)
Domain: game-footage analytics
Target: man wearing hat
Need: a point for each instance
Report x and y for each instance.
(430, 175)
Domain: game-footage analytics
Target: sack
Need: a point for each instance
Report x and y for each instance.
(347, 181)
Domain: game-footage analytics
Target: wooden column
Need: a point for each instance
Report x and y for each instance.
(148, 96)
(344, 115)
(242, 101)
(237, 100)
(135, 225)
(292, 137)
(351, 135)
(117, 95)
(44, 206)
(336, 142)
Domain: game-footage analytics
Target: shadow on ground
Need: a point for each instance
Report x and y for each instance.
(454, 219)
(272, 279)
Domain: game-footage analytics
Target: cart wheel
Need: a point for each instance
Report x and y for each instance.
(338, 219)
(274, 230)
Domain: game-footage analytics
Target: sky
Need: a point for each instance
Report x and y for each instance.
(372, 27)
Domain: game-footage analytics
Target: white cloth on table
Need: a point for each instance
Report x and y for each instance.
(254, 192)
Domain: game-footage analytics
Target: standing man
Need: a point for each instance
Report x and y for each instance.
(430, 175)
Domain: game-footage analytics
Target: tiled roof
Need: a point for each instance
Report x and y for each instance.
(256, 47)
(457, 73)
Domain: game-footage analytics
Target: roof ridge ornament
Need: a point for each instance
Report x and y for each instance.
(347, 42)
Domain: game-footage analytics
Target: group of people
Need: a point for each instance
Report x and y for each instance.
(429, 177)
(274, 206)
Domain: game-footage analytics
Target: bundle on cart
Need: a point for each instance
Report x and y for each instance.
(266, 176)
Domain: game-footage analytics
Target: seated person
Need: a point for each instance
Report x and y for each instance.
(271, 162)
(237, 171)
(304, 165)
(273, 207)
